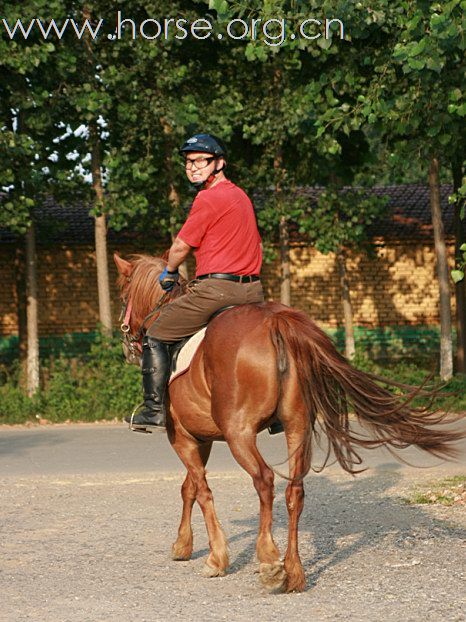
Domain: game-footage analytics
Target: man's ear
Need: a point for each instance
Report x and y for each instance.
(124, 267)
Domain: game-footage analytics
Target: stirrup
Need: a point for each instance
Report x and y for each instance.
(132, 427)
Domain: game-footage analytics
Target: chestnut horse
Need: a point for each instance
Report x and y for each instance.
(259, 363)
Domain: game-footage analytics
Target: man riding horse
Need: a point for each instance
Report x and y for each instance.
(259, 365)
(221, 228)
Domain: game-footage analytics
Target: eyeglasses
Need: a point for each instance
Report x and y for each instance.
(199, 162)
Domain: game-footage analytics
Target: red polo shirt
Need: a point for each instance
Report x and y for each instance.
(222, 227)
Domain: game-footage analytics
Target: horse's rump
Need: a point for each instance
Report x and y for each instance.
(256, 357)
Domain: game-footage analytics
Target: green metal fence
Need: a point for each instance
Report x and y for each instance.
(393, 342)
(378, 343)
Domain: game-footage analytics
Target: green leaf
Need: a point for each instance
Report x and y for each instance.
(416, 63)
(457, 275)
(400, 52)
(437, 20)
(418, 48)
(455, 95)
(434, 64)
(221, 6)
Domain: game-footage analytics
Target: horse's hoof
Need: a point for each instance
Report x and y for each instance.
(210, 571)
(296, 583)
(273, 577)
(181, 553)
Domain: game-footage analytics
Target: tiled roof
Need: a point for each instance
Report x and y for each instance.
(407, 212)
(407, 215)
(69, 225)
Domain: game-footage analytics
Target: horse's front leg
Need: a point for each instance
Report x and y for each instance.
(183, 547)
(193, 457)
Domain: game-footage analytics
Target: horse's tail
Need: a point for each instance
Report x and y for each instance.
(331, 387)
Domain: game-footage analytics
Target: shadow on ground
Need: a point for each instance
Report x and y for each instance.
(341, 519)
(21, 443)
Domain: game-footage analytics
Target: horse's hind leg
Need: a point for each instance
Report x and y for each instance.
(183, 547)
(294, 495)
(190, 453)
(244, 449)
(297, 430)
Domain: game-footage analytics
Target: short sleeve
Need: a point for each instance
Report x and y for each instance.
(197, 223)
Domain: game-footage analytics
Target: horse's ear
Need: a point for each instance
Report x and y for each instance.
(165, 255)
(124, 267)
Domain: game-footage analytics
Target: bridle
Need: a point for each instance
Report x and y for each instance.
(132, 343)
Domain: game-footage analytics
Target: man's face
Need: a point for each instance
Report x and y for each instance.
(199, 166)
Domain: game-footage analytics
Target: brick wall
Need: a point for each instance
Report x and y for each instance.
(8, 292)
(396, 287)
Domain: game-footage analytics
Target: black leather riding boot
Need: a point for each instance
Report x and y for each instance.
(155, 372)
(276, 427)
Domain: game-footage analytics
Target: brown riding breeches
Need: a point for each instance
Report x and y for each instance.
(191, 311)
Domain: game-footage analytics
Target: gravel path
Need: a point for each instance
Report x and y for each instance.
(80, 547)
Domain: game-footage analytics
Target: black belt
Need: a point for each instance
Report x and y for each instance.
(237, 278)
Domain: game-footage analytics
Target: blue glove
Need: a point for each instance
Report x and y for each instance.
(168, 279)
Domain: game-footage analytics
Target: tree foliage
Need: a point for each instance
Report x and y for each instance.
(376, 104)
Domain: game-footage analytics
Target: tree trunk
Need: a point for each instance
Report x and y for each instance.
(21, 306)
(100, 225)
(283, 230)
(173, 194)
(174, 199)
(446, 350)
(460, 288)
(285, 278)
(100, 230)
(350, 348)
(32, 314)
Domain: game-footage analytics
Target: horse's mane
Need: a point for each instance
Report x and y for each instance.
(143, 289)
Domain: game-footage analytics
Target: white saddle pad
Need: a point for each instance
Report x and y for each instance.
(186, 354)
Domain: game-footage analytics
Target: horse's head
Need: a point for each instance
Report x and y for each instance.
(140, 291)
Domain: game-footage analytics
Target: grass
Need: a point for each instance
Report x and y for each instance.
(449, 491)
(97, 387)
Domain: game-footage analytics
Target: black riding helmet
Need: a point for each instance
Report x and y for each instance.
(205, 143)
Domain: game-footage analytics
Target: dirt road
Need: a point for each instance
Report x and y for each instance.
(88, 514)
